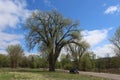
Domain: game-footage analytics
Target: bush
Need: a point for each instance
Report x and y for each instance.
(68, 66)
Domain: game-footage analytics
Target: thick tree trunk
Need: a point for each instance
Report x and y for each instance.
(52, 60)
(51, 65)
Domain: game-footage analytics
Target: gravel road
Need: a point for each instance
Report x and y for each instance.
(103, 75)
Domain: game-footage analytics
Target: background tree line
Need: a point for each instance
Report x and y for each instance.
(87, 61)
(16, 58)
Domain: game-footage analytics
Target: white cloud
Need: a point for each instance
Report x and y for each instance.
(11, 13)
(104, 50)
(31, 53)
(7, 39)
(112, 9)
(94, 37)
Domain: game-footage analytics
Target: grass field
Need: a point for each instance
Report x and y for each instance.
(35, 74)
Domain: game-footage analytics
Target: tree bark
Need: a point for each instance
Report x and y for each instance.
(51, 65)
(52, 60)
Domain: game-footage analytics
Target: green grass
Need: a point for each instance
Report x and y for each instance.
(35, 74)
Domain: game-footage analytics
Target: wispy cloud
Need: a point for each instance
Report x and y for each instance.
(104, 4)
(7, 39)
(112, 9)
(49, 4)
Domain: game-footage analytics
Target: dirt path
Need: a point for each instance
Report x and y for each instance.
(103, 75)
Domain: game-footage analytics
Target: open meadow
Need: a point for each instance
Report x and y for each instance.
(37, 74)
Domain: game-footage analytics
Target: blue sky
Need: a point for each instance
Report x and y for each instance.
(98, 18)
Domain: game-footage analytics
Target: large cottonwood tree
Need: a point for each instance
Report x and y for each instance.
(50, 32)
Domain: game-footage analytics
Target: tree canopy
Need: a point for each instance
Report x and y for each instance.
(50, 32)
(15, 53)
